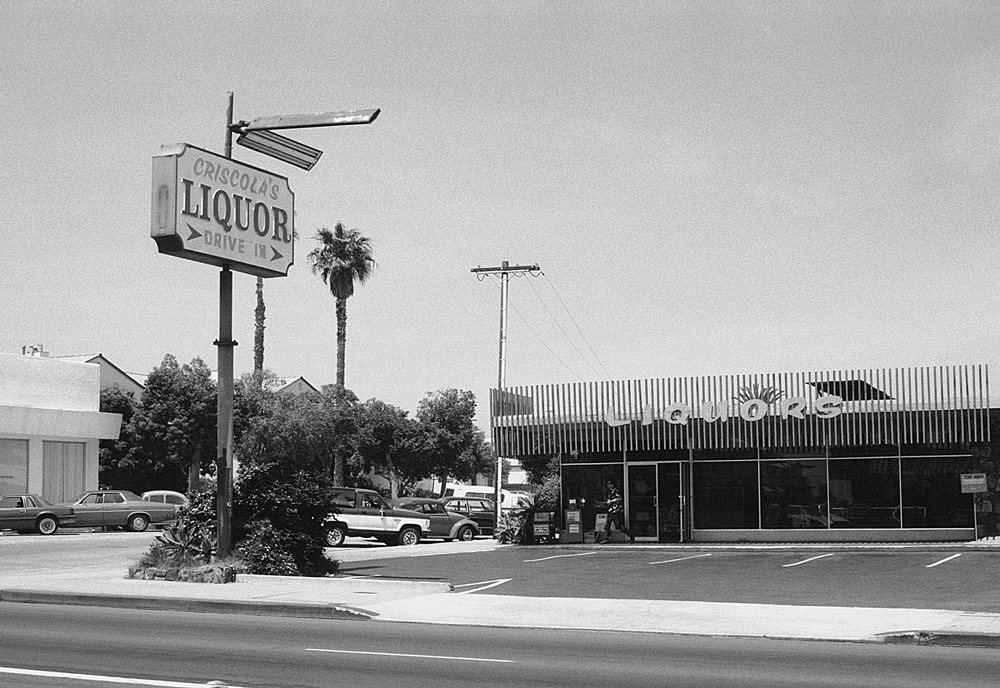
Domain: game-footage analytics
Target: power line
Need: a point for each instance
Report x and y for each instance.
(570, 314)
(559, 325)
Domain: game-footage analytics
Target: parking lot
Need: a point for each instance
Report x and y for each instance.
(908, 578)
(911, 577)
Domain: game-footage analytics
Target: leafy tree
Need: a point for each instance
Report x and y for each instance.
(342, 258)
(176, 420)
(307, 431)
(121, 466)
(457, 447)
(392, 445)
(537, 467)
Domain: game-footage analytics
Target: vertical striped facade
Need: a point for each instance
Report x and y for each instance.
(932, 406)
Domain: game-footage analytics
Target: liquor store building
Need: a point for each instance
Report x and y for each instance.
(861, 455)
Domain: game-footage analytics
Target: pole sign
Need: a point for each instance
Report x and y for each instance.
(214, 210)
(973, 482)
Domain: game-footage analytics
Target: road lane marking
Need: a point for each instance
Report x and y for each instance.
(484, 585)
(936, 563)
(400, 654)
(558, 556)
(806, 561)
(110, 679)
(671, 561)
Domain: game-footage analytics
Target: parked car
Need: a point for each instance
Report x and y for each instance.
(166, 497)
(508, 500)
(364, 513)
(31, 513)
(449, 525)
(479, 510)
(119, 509)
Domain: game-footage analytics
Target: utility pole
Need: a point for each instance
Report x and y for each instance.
(225, 343)
(505, 270)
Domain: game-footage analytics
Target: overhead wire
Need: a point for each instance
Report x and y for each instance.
(559, 325)
(537, 336)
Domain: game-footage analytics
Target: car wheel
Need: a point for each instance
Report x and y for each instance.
(137, 523)
(408, 537)
(466, 534)
(47, 525)
(335, 536)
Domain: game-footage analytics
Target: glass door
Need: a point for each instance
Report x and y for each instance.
(641, 502)
(669, 507)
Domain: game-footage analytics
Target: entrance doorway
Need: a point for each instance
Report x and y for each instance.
(653, 502)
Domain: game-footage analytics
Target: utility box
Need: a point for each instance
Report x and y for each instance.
(574, 527)
(543, 525)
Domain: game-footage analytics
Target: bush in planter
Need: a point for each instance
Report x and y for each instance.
(295, 505)
(265, 551)
(185, 550)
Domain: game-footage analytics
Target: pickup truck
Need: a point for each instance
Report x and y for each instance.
(364, 513)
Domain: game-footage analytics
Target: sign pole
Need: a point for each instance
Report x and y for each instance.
(225, 343)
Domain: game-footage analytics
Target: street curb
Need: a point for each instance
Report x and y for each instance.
(181, 604)
(942, 638)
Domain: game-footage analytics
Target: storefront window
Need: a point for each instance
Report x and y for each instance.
(583, 488)
(864, 493)
(932, 492)
(13, 466)
(793, 494)
(726, 495)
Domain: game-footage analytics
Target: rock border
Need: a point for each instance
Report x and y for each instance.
(198, 574)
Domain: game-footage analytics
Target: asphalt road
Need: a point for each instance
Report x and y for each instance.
(89, 647)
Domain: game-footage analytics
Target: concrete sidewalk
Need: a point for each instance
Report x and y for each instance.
(347, 597)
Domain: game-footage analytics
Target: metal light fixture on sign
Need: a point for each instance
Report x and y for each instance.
(280, 147)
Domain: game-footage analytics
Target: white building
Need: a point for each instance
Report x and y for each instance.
(51, 426)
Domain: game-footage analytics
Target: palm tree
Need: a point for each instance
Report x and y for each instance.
(342, 258)
(258, 337)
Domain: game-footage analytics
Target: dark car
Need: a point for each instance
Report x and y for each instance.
(448, 525)
(31, 513)
(479, 510)
(119, 509)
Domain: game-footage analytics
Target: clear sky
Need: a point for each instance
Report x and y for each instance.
(709, 187)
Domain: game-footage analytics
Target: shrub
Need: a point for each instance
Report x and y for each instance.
(186, 542)
(295, 504)
(266, 551)
(511, 530)
(201, 509)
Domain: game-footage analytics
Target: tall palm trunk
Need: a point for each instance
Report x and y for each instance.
(341, 339)
(339, 459)
(258, 335)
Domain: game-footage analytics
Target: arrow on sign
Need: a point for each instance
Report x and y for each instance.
(194, 233)
(276, 254)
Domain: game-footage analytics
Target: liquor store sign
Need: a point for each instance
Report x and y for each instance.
(218, 211)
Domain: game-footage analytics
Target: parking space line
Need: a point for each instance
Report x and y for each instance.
(96, 678)
(806, 561)
(400, 654)
(936, 563)
(559, 556)
(484, 585)
(671, 561)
